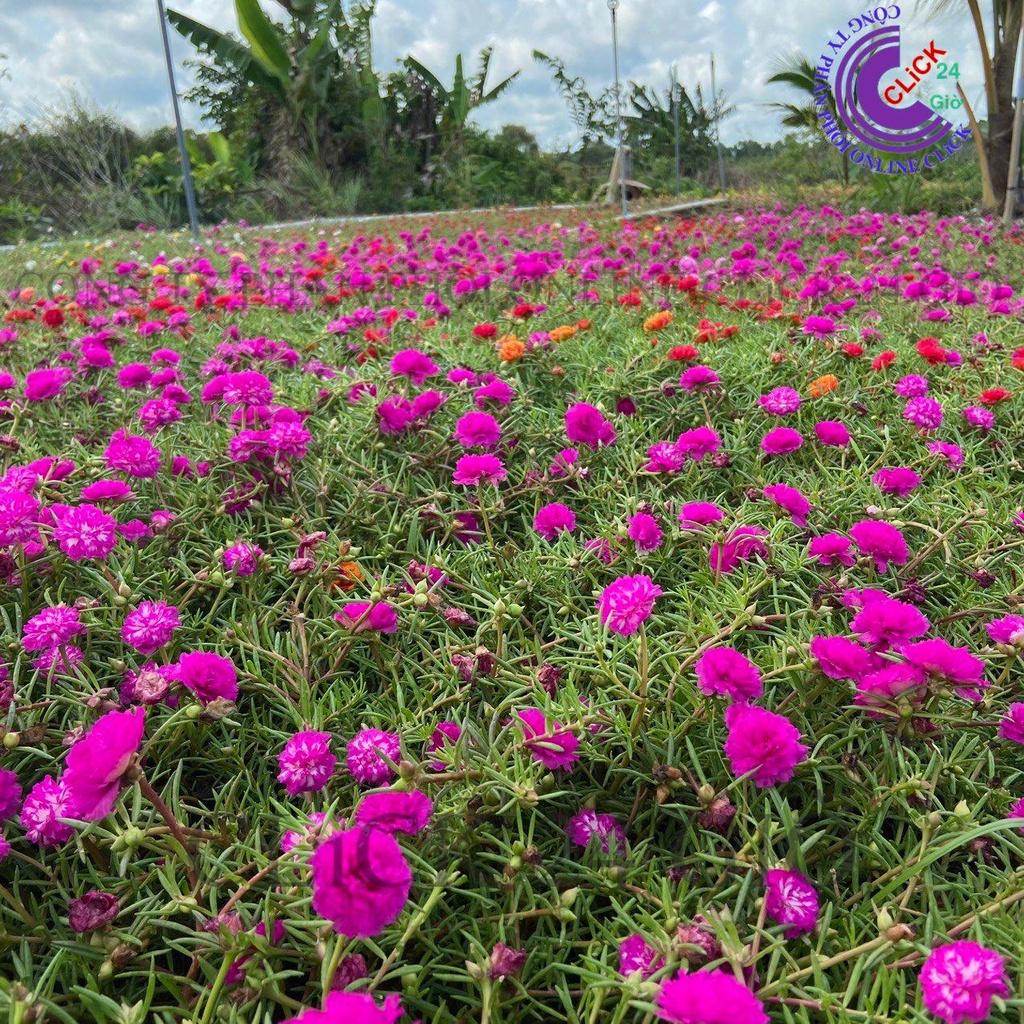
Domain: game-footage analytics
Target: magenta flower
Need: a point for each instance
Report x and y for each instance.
(352, 1008)
(898, 480)
(709, 997)
(395, 811)
(911, 386)
(791, 500)
(695, 515)
(894, 681)
(885, 622)
(819, 326)
(150, 626)
(741, 545)
(85, 532)
(444, 735)
(781, 441)
(306, 763)
(242, 558)
(10, 794)
(363, 756)
(697, 443)
(645, 532)
(832, 433)
(586, 424)
(924, 413)
(551, 745)
(698, 378)
(1016, 813)
(132, 455)
(107, 490)
(411, 363)
(18, 515)
(96, 763)
(43, 384)
(780, 401)
(626, 603)
(553, 519)
(505, 961)
(723, 670)
(604, 830)
(209, 676)
(361, 881)
(92, 911)
(831, 549)
(762, 742)
(473, 470)
(46, 803)
(842, 658)
(882, 541)
(1007, 630)
(379, 617)
(790, 899)
(52, 627)
(954, 665)
(477, 430)
(635, 954)
(980, 417)
(960, 980)
(1011, 726)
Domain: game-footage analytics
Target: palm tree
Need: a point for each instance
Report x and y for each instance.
(998, 57)
(797, 71)
(452, 105)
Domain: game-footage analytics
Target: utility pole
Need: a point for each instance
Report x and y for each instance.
(1013, 178)
(718, 139)
(186, 166)
(613, 6)
(675, 124)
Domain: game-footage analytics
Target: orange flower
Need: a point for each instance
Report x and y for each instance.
(823, 385)
(658, 321)
(349, 574)
(511, 349)
(562, 333)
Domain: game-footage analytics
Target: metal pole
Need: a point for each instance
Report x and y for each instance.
(718, 139)
(1013, 178)
(613, 6)
(186, 166)
(675, 127)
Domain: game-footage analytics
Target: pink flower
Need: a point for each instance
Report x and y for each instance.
(626, 603)
(959, 981)
(242, 558)
(790, 899)
(43, 384)
(552, 746)
(695, 515)
(781, 441)
(925, 413)
(96, 763)
(209, 676)
(477, 430)
(1007, 630)
(831, 549)
(46, 803)
(361, 881)
(762, 742)
(791, 500)
(832, 433)
(1016, 813)
(644, 532)
(132, 455)
(553, 519)
(107, 490)
(709, 997)
(841, 658)
(882, 541)
(352, 1008)
(698, 378)
(956, 665)
(395, 811)
(306, 763)
(894, 681)
(586, 424)
(10, 794)
(52, 627)
(605, 830)
(913, 385)
(1011, 726)
(18, 514)
(473, 470)
(379, 617)
(363, 756)
(697, 443)
(723, 670)
(980, 417)
(92, 911)
(150, 626)
(898, 480)
(446, 734)
(885, 622)
(411, 363)
(741, 545)
(636, 955)
(85, 532)
(780, 401)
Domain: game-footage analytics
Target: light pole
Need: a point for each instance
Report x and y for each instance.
(718, 138)
(186, 166)
(613, 6)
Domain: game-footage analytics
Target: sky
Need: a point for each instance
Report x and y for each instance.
(109, 52)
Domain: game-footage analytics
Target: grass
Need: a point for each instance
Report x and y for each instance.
(895, 824)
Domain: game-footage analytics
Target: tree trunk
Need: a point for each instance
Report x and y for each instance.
(1000, 119)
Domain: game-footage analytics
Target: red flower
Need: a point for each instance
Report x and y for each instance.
(484, 331)
(993, 396)
(852, 349)
(53, 318)
(683, 353)
(931, 351)
(883, 359)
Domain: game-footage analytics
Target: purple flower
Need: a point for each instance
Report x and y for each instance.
(92, 911)
(780, 401)
(605, 830)
(695, 515)
(150, 626)
(306, 762)
(763, 743)
(395, 811)
(882, 541)
(473, 470)
(46, 803)
(209, 676)
(361, 616)
(586, 424)
(832, 433)
(885, 622)
(635, 954)
(96, 764)
(925, 413)
(791, 500)
(831, 549)
(790, 899)
(898, 480)
(477, 430)
(363, 756)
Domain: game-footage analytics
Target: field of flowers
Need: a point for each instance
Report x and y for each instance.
(521, 622)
